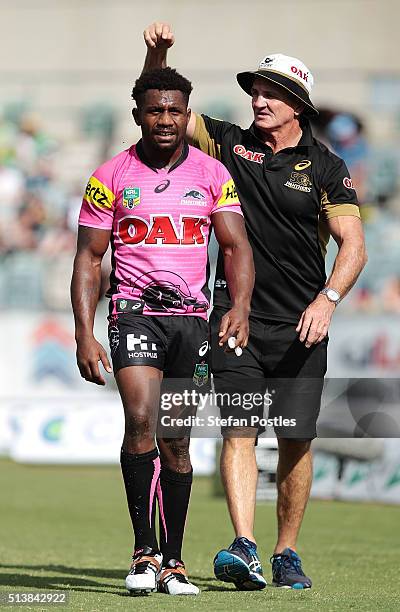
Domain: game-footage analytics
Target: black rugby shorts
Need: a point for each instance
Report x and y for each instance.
(177, 345)
(277, 366)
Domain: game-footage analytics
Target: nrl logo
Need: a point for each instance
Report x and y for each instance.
(299, 181)
(131, 197)
(200, 375)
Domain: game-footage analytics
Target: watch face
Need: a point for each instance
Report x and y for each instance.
(332, 295)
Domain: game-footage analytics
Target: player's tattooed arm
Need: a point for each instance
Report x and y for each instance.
(239, 271)
(85, 293)
(351, 258)
(159, 37)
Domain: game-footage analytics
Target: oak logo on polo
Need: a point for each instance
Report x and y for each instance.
(131, 197)
(97, 194)
(252, 156)
(299, 182)
(139, 346)
(161, 231)
(348, 183)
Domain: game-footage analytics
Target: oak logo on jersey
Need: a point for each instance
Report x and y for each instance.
(305, 163)
(229, 195)
(131, 197)
(161, 231)
(299, 181)
(97, 194)
(252, 156)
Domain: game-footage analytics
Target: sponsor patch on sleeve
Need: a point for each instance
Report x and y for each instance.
(348, 183)
(98, 194)
(229, 195)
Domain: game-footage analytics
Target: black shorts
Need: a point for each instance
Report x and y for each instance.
(276, 368)
(176, 345)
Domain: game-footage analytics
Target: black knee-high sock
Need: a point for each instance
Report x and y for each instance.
(173, 493)
(141, 475)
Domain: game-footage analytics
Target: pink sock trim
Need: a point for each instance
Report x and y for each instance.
(161, 509)
(154, 481)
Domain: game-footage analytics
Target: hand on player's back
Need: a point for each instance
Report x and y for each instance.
(158, 35)
(88, 354)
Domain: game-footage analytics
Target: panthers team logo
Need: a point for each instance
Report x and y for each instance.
(300, 182)
(193, 196)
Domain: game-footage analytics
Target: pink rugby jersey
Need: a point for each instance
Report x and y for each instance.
(160, 223)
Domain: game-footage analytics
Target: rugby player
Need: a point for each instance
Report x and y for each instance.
(295, 194)
(155, 203)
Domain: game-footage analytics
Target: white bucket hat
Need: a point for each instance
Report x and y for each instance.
(288, 72)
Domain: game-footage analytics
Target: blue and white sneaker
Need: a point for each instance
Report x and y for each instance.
(287, 572)
(240, 564)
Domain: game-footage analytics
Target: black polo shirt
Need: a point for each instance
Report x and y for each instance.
(286, 199)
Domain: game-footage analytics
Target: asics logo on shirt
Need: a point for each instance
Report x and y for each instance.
(162, 186)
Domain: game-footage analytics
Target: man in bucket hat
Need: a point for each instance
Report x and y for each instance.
(295, 194)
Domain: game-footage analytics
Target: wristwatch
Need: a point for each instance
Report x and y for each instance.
(332, 295)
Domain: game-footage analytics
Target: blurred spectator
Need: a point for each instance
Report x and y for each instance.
(344, 132)
(58, 239)
(391, 295)
(25, 233)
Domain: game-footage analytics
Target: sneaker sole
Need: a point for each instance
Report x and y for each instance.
(298, 586)
(134, 592)
(164, 592)
(250, 585)
(230, 568)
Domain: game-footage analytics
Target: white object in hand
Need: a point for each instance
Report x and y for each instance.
(238, 351)
(232, 342)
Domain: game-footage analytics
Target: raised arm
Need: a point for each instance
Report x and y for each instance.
(351, 258)
(159, 38)
(239, 271)
(85, 293)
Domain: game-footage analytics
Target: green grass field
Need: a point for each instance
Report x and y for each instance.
(68, 529)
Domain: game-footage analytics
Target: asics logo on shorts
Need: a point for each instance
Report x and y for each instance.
(203, 349)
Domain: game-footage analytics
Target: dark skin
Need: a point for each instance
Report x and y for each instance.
(163, 117)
